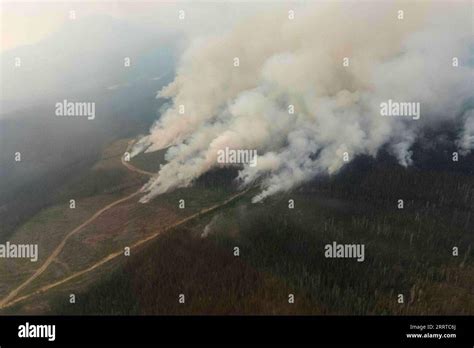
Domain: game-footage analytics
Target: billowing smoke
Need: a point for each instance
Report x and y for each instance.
(420, 55)
(210, 227)
(466, 140)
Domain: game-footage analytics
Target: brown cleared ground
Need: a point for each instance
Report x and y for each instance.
(52, 226)
(122, 223)
(46, 229)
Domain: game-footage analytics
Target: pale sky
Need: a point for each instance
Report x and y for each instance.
(27, 22)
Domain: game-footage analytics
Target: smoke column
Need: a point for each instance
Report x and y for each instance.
(299, 62)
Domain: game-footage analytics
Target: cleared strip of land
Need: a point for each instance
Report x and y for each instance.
(12, 298)
(116, 254)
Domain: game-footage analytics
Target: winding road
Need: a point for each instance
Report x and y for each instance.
(12, 298)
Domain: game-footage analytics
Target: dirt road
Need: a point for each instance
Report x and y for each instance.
(116, 254)
(11, 299)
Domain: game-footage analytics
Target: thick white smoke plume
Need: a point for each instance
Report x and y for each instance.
(337, 108)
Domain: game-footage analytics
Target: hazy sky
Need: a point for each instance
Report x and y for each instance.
(60, 53)
(28, 22)
(25, 22)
